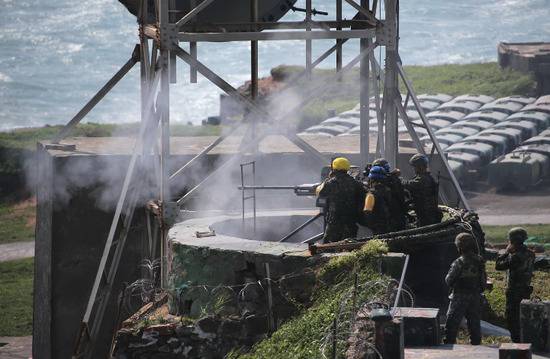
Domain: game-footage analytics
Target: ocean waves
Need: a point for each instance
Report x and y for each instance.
(55, 55)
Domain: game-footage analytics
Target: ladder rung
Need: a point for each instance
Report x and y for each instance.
(249, 197)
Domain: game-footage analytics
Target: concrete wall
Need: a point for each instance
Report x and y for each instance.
(70, 234)
(73, 222)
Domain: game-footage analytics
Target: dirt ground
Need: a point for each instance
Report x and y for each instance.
(511, 207)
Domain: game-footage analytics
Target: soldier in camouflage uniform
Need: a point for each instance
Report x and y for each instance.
(518, 260)
(397, 206)
(466, 279)
(377, 212)
(345, 198)
(424, 192)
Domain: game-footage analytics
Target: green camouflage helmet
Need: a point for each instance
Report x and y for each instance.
(419, 160)
(517, 235)
(465, 243)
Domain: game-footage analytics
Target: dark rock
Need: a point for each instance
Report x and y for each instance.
(183, 331)
(162, 329)
(231, 328)
(174, 343)
(208, 324)
(255, 325)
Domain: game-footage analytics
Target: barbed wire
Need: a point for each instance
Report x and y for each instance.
(356, 304)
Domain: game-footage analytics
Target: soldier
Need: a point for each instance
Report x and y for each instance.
(518, 260)
(466, 279)
(397, 205)
(345, 198)
(424, 192)
(376, 208)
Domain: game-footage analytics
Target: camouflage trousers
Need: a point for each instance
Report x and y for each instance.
(513, 301)
(460, 306)
(339, 231)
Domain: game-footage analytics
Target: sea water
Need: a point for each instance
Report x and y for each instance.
(54, 55)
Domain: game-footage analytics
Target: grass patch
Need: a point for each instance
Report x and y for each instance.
(498, 234)
(497, 298)
(27, 137)
(17, 221)
(301, 337)
(481, 78)
(16, 299)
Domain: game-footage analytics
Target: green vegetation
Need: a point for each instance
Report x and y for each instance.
(498, 234)
(16, 299)
(482, 78)
(17, 221)
(497, 299)
(302, 336)
(27, 137)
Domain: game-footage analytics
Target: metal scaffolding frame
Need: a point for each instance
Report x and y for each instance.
(157, 72)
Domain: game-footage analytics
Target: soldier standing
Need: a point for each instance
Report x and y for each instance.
(424, 192)
(345, 198)
(397, 206)
(518, 260)
(467, 279)
(376, 208)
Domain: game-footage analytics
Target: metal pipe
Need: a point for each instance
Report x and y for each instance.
(379, 114)
(217, 80)
(134, 59)
(275, 35)
(163, 105)
(203, 153)
(374, 21)
(391, 84)
(314, 239)
(410, 128)
(267, 25)
(431, 133)
(339, 42)
(254, 70)
(401, 280)
(193, 71)
(308, 41)
(300, 227)
(191, 14)
(254, 194)
(364, 97)
(271, 320)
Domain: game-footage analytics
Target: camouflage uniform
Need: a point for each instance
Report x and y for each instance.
(519, 265)
(345, 199)
(424, 192)
(467, 279)
(397, 206)
(378, 220)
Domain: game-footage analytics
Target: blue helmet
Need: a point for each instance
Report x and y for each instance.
(377, 173)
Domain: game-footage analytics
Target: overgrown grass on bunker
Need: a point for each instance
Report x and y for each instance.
(302, 336)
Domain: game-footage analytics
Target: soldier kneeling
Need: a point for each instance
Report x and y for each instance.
(467, 279)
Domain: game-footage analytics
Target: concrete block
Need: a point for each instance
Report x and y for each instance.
(534, 323)
(514, 351)
(421, 326)
(389, 339)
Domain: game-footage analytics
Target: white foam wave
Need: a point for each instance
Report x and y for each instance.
(5, 78)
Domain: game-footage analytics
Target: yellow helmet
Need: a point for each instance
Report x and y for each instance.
(340, 164)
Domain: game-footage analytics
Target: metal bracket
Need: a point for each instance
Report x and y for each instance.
(386, 35)
(170, 213)
(168, 36)
(166, 213)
